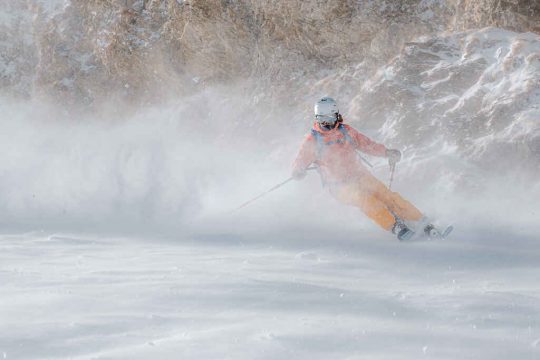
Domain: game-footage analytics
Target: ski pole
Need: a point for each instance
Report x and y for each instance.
(364, 159)
(392, 169)
(268, 191)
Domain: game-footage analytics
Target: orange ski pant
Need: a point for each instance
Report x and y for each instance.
(377, 201)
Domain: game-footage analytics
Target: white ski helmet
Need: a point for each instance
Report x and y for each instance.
(326, 110)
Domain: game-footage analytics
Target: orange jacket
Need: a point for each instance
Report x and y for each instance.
(335, 154)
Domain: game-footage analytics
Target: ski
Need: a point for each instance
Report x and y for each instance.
(447, 231)
(433, 233)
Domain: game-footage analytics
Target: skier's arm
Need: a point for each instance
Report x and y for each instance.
(366, 145)
(306, 156)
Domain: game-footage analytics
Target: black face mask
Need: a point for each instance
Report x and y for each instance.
(328, 126)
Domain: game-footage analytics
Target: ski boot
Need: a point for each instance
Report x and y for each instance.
(402, 231)
(433, 233)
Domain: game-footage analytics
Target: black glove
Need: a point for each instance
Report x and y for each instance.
(299, 174)
(393, 156)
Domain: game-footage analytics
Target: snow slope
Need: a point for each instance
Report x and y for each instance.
(340, 296)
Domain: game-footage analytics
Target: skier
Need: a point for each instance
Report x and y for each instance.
(332, 146)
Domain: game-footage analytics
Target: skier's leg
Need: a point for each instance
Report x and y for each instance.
(374, 208)
(402, 208)
(377, 211)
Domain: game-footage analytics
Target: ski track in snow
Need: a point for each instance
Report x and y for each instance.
(335, 296)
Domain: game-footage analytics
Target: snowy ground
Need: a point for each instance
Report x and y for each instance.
(327, 296)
